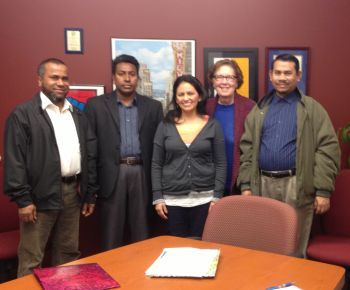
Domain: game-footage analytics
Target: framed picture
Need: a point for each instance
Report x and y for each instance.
(73, 40)
(161, 62)
(301, 53)
(79, 94)
(246, 58)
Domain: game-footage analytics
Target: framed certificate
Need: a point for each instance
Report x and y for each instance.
(73, 40)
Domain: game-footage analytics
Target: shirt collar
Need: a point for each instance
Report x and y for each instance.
(46, 102)
(133, 103)
(290, 98)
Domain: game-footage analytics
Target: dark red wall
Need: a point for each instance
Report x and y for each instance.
(33, 30)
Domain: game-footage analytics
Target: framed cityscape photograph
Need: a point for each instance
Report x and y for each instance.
(161, 62)
(246, 58)
(301, 53)
(79, 94)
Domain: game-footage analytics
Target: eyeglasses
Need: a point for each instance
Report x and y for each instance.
(228, 78)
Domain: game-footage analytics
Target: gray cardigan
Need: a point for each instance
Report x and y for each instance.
(178, 169)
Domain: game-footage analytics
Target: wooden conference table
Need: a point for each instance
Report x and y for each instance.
(238, 268)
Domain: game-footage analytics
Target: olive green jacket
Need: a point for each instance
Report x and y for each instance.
(317, 156)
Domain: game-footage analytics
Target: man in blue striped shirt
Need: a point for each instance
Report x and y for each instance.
(290, 151)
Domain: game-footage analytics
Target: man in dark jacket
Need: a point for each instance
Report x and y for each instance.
(124, 123)
(49, 169)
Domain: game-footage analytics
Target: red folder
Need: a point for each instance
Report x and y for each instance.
(84, 276)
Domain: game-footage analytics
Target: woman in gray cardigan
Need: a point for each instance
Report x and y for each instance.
(189, 162)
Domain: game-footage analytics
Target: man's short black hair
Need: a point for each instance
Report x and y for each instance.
(41, 66)
(287, 57)
(125, 58)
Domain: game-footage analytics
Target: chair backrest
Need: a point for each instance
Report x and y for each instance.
(253, 222)
(337, 220)
(8, 212)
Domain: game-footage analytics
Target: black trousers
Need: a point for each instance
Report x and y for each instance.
(187, 221)
(126, 209)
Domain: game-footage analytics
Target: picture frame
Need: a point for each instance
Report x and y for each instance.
(246, 58)
(161, 62)
(301, 53)
(78, 95)
(73, 41)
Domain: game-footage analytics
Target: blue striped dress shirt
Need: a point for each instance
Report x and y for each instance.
(129, 132)
(279, 134)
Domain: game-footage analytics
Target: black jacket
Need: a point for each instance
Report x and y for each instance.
(102, 112)
(32, 170)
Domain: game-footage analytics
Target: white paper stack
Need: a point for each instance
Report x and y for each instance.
(185, 262)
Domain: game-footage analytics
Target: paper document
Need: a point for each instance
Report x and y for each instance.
(185, 262)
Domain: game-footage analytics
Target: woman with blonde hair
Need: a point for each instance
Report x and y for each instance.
(230, 109)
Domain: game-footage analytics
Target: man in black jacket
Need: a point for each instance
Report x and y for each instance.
(124, 123)
(49, 168)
